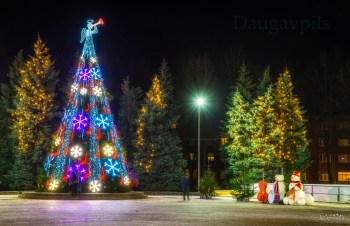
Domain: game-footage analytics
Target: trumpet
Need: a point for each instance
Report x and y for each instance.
(100, 21)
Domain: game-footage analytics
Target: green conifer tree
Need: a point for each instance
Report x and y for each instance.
(7, 137)
(158, 160)
(130, 103)
(292, 146)
(34, 109)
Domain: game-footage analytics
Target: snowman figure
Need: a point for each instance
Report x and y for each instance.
(296, 195)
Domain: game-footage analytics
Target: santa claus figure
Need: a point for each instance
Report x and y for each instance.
(296, 195)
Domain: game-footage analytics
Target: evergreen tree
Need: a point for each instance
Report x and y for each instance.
(130, 103)
(7, 137)
(244, 163)
(158, 158)
(34, 107)
(244, 84)
(265, 135)
(291, 148)
(87, 139)
(264, 82)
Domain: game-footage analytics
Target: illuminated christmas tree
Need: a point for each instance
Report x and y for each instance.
(291, 148)
(87, 139)
(158, 160)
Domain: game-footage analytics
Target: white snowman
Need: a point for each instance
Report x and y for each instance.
(279, 186)
(296, 195)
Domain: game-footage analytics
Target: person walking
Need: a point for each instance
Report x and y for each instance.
(185, 184)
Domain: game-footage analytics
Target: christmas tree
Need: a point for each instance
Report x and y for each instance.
(291, 148)
(87, 139)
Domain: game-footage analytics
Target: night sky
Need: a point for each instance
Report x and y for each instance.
(136, 37)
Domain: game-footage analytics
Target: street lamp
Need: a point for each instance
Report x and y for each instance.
(199, 102)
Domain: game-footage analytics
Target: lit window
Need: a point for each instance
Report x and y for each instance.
(323, 125)
(343, 143)
(210, 156)
(321, 142)
(323, 157)
(343, 176)
(344, 158)
(323, 176)
(192, 156)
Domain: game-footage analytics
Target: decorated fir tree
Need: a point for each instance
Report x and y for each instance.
(244, 162)
(87, 139)
(266, 134)
(291, 148)
(34, 110)
(158, 160)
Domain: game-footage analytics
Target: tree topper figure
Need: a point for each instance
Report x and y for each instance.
(87, 33)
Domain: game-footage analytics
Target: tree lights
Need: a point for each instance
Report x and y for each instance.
(87, 128)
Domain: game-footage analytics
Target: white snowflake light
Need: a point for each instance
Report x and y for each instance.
(75, 87)
(76, 151)
(97, 91)
(53, 185)
(108, 150)
(112, 167)
(102, 121)
(95, 186)
(83, 91)
(93, 60)
(126, 180)
(57, 141)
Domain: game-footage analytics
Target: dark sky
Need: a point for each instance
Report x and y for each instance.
(136, 37)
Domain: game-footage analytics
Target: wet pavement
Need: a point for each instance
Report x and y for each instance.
(166, 210)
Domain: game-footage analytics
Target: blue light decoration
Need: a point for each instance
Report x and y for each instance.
(95, 155)
(102, 121)
(95, 73)
(112, 167)
(80, 121)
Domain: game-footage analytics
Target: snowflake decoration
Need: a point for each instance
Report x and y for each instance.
(76, 151)
(102, 121)
(67, 115)
(93, 60)
(108, 150)
(95, 73)
(57, 141)
(83, 91)
(47, 164)
(112, 167)
(53, 185)
(95, 186)
(80, 121)
(97, 91)
(78, 167)
(75, 87)
(126, 180)
(84, 74)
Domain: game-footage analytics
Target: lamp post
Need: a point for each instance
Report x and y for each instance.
(199, 102)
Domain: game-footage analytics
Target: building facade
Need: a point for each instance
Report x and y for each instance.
(330, 150)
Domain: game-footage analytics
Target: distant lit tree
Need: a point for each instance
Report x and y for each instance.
(292, 146)
(158, 159)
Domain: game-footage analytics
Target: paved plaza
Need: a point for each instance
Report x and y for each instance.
(166, 210)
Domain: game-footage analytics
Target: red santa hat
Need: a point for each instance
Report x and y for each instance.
(296, 173)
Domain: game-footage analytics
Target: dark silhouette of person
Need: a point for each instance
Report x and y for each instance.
(74, 182)
(185, 184)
